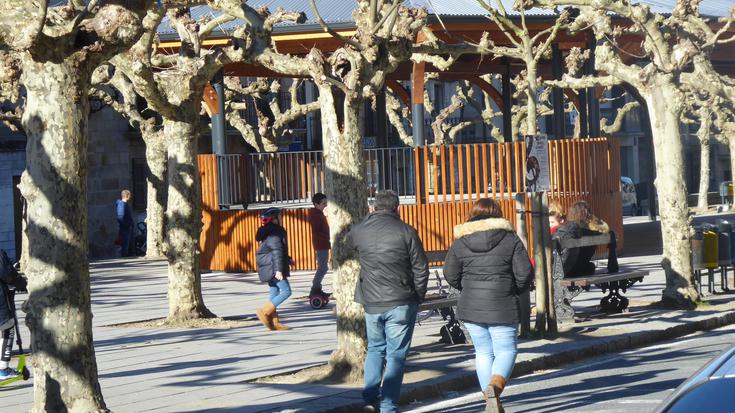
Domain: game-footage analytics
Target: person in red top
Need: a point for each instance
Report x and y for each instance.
(320, 240)
(556, 216)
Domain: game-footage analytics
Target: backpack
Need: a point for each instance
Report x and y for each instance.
(451, 332)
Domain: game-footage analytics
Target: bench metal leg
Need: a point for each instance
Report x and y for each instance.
(698, 280)
(711, 280)
(525, 302)
(614, 302)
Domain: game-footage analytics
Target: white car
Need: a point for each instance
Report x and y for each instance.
(630, 198)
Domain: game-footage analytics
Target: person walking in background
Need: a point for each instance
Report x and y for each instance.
(320, 241)
(125, 222)
(489, 265)
(394, 274)
(273, 263)
(580, 221)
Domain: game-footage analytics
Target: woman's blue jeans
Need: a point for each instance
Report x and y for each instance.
(496, 346)
(389, 338)
(279, 291)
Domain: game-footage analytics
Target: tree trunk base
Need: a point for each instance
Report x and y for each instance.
(345, 367)
(679, 298)
(184, 318)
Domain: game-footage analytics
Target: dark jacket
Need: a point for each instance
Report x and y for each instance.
(124, 215)
(9, 277)
(576, 261)
(319, 230)
(272, 254)
(393, 266)
(490, 266)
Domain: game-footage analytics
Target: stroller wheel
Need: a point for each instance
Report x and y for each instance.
(25, 373)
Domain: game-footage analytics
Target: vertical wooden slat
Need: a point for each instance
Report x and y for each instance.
(451, 172)
(476, 177)
(425, 153)
(508, 170)
(435, 182)
(493, 177)
(444, 172)
(484, 169)
(460, 170)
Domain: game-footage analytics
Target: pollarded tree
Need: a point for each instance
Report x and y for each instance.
(173, 86)
(669, 49)
(57, 49)
(272, 121)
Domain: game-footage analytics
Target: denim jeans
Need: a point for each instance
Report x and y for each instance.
(389, 338)
(495, 349)
(279, 290)
(322, 265)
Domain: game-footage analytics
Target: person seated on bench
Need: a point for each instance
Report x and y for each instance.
(580, 221)
(556, 216)
(488, 263)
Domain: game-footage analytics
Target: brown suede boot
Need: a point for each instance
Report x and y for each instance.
(492, 394)
(277, 323)
(265, 315)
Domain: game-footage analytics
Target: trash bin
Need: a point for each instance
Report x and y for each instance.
(698, 249)
(711, 248)
(726, 192)
(724, 241)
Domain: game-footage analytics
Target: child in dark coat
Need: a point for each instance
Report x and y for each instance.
(273, 263)
(10, 282)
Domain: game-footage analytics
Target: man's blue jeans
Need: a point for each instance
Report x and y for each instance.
(495, 349)
(279, 290)
(389, 338)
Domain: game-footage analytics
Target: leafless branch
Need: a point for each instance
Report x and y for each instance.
(617, 124)
(329, 30)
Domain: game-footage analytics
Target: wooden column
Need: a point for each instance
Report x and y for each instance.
(417, 103)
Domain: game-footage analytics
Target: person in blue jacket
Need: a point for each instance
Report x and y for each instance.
(125, 222)
(273, 263)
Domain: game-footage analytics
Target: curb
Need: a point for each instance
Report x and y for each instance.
(441, 386)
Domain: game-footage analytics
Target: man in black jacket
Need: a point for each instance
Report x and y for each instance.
(394, 273)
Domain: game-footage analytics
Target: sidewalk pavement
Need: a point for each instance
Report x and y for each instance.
(213, 370)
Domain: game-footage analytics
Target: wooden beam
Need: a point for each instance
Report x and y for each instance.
(400, 91)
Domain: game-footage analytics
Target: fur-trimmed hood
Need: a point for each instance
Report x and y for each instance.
(599, 226)
(483, 234)
(469, 228)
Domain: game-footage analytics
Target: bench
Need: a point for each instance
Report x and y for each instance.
(615, 280)
(443, 298)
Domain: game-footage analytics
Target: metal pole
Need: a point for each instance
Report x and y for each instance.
(593, 105)
(557, 96)
(218, 117)
(507, 105)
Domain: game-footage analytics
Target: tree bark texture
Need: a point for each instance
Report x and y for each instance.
(346, 187)
(183, 222)
(54, 184)
(664, 108)
(156, 159)
(704, 172)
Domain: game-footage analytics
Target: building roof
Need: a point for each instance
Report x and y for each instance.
(338, 13)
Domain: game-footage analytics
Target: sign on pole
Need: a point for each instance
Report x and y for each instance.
(538, 177)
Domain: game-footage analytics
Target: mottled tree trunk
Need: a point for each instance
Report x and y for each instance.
(183, 223)
(664, 108)
(346, 188)
(702, 202)
(731, 146)
(54, 184)
(155, 156)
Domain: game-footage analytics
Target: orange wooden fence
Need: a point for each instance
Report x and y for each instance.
(452, 178)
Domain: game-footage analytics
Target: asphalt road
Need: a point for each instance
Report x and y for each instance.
(633, 381)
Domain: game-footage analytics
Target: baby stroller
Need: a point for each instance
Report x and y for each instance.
(141, 239)
(11, 283)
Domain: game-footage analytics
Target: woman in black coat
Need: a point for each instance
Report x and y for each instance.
(580, 221)
(490, 266)
(273, 263)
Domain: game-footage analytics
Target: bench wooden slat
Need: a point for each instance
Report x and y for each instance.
(601, 278)
(434, 256)
(586, 241)
(435, 303)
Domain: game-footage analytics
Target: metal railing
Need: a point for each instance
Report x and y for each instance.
(230, 181)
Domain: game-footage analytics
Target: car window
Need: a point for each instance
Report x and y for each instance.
(713, 396)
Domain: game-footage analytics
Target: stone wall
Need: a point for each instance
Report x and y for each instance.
(110, 143)
(12, 163)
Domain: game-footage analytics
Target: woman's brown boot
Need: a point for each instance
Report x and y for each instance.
(265, 315)
(492, 394)
(277, 323)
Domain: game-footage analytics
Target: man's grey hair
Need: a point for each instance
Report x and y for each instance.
(386, 201)
(125, 193)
